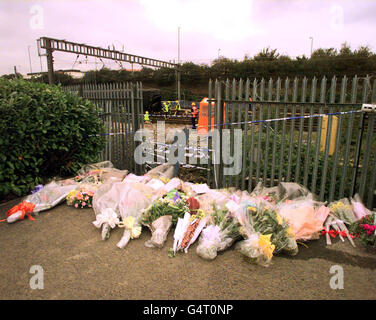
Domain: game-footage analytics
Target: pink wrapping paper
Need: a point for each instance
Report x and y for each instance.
(304, 220)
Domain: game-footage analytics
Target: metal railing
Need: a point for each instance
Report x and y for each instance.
(120, 105)
(320, 138)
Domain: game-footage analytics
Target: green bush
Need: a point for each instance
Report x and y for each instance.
(43, 132)
(277, 138)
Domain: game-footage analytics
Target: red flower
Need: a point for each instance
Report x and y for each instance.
(193, 204)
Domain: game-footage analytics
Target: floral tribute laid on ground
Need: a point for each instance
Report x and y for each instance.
(260, 224)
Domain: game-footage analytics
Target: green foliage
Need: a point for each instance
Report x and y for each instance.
(43, 132)
(366, 237)
(11, 76)
(164, 207)
(226, 222)
(266, 54)
(59, 78)
(265, 166)
(266, 220)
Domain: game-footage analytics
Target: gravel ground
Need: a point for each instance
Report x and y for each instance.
(79, 265)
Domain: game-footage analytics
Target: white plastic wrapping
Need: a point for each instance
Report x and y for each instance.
(159, 231)
(50, 195)
(134, 197)
(106, 206)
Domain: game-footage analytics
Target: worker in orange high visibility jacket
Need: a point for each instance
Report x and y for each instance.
(194, 114)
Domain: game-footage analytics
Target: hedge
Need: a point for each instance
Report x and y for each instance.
(44, 132)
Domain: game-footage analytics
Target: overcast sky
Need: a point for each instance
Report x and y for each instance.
(230, 28)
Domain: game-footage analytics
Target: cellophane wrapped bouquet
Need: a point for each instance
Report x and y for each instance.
(162, 214)
(135, 197)
(343, 210)
(106, 204)
(344, 213)
(360, 210)
(282, 192)
(98, 173)
(44, 198)
(265, 231)
(221, 232)
(189, 228)
(138, 196)
(305, 216)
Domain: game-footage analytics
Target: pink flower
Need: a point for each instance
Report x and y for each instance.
(89, 205)
(86, 198)
(83, 204)
(369, 227)
(76, 205)
(79, 196)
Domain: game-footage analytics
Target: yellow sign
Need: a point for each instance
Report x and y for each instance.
(333, 134)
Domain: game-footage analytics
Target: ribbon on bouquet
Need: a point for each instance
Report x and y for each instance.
(109, 216)
(26, 208)
(130, 224)
(335, 233)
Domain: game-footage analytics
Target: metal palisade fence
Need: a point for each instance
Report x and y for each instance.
(309, 131)
(120, 105)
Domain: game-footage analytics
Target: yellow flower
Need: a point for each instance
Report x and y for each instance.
(129, 223)
(252, 209)
(164, 179)
(71, 194)
(290, 233)
(266, 246)
(279, 219)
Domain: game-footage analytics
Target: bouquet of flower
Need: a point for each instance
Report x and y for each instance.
(189, 228)
(135, 197)
(222, 230)
(305, 217)
(360, 210)
(265, 232)
(365, 230)
(343, 210)
(98, 173)
(106, 206)
(282, 192)
(42, 198)
(162, 214)
(257, 248)
(80, 198)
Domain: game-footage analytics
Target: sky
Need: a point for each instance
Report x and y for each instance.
(208, 29)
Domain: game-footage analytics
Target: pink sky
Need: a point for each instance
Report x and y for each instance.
(208, 27)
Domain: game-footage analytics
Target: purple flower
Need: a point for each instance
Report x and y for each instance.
(176, 197)
(37, 188)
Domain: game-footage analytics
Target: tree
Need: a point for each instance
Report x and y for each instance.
(364, 52)
(345, 50)
(324, 52)
(59, 77)
(266, 54)
(12, 76)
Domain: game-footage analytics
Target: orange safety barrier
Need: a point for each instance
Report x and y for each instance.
(203, 118)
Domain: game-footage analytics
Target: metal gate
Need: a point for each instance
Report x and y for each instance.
(121, 108)
(298, 131)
